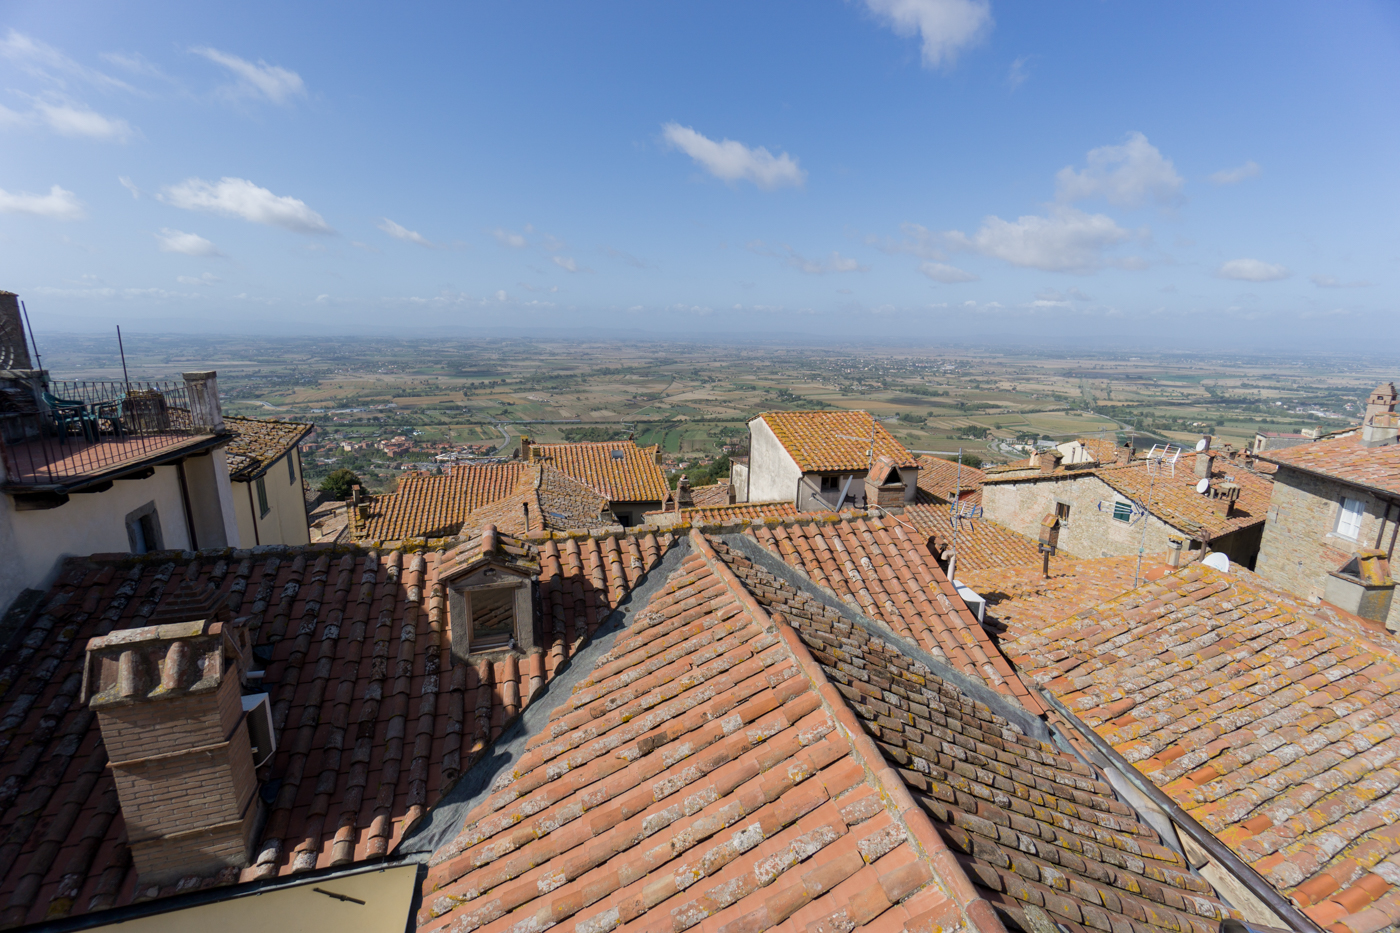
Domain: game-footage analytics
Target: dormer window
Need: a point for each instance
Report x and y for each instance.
(492, 611)
(491, 605)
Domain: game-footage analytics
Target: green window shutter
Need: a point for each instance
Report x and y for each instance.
(1122, 511)
(263, 507)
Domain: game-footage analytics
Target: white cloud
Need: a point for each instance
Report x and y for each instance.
(833, 263)
(238, 197)
(130, 185)
(946, 26)
(733, 161)
(1054, 294)
(44, 61)
(58, 204)
(918, 241)
(403, 233)
(191, 244)
(1125, 175)
(1233, 176)
(942, 272)
(507, 238)
(256, 80)
(1017, 74)
(568, 264)
(68, 120)
(628, 258)
(1068, 240)
(207, 278)
(1252, 270)
(136, 63)
(1331, 281)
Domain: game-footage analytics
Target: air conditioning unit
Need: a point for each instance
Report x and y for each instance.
(257, 709)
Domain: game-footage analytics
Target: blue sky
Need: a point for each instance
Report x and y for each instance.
(870, 168)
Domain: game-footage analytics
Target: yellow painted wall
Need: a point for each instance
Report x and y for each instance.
(285, 521)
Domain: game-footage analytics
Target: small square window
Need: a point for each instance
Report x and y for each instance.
(1122, 512)
(1349, 518)
(1062, 512)
(263, 507)
(493, 616)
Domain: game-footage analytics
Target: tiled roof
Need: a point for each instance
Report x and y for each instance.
(1276, 726)
(942, 478)
(374, 720)
(434, 506)
(699, 778)
(1020, 601)
(1174, 498)
(1040, 834)
(632, 477)
(555, 502)
(814, 441)
(727, 514)
(712, 495)
(982, 543)
(257, 443)
(884, 570)
(1343, 458)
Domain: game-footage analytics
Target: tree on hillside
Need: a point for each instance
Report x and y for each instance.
(338, 483)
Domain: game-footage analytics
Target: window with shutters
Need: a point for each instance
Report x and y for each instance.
(263, 507)
(1122, 511)
(1349, 518)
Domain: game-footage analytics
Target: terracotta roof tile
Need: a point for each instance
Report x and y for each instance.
(881, 568)
(1277, 726)
(428, 506)
(813, 439)
(258, 442)
(1021, 601)
(1040, 833)
(620, 470)
(1344, 459)
(725, 514)
(942, 479)
(549, 499)
(720, 493)
(982, 543)
(375, 723)
(700, 778)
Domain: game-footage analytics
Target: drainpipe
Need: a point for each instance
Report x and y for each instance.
(185, 501)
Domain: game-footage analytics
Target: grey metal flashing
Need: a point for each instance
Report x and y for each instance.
(1281, 905)
(1031, 725)
(444, 820)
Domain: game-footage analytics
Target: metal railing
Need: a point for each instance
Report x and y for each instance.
(75, 429)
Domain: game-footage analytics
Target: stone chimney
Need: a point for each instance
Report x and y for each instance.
(684, 498)
(1050, 460)
(1204, 458)
(1362, 586)
(206, 415)
(1126, 452)
(1382, 400)
(14, 348)
(168, 699)
(527, 450)
(1381, 429)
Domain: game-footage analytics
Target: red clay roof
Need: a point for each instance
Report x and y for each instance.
(632, 477)
(428, 506)
(704, 776)
(1038, 832)
(884, 570)
(728, 514)
(1344, 459)
(374, 719)
(1275, 725)
(981, 542)
(543, 499)
(1021, 601)
(814, 439)
(942, 479)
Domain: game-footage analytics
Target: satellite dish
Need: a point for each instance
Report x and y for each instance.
(1217, 561)
(1203, 486)
(1202, 444)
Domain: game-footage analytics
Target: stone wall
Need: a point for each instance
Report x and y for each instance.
(1301, 546)
(1091, 531)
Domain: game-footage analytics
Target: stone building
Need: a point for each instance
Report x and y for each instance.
(1335, 500)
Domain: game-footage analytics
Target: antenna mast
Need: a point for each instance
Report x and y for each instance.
(38, 363)
(125, 378)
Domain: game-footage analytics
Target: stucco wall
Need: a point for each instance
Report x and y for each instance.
(211, 500)
(32, 544)
(1091, 532)
(739, 479)
(773, 474)
(285, 521)
(1300, 545)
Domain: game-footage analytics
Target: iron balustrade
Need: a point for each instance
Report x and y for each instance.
(75, 429)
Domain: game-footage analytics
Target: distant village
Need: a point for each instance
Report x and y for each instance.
(841, 685)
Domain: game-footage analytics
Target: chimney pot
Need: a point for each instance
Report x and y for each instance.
(1049, 460)
(206, 415)
(1204, 460)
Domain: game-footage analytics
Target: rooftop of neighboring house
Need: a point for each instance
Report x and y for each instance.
(724, 514)
(259, 442)
(620, 470)
(375, 720)
(543, 499)
(428, 505)
(981, 542)
(1345, 460)
(1275, 723)
(749, 757)
(720, 493)
(829, 441)
(942, 479)
(1082, 454)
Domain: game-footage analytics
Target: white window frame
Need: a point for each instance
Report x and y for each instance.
(1350, 513)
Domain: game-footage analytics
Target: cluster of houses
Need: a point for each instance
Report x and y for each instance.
(1103, 688)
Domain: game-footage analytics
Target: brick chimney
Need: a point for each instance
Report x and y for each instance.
(1050, 460)
(14, 349)
(206, 414)
(684, 498)
(1204, 457)
(527, 451)
(168, 699)
(1381, 429)
(1381, 401)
